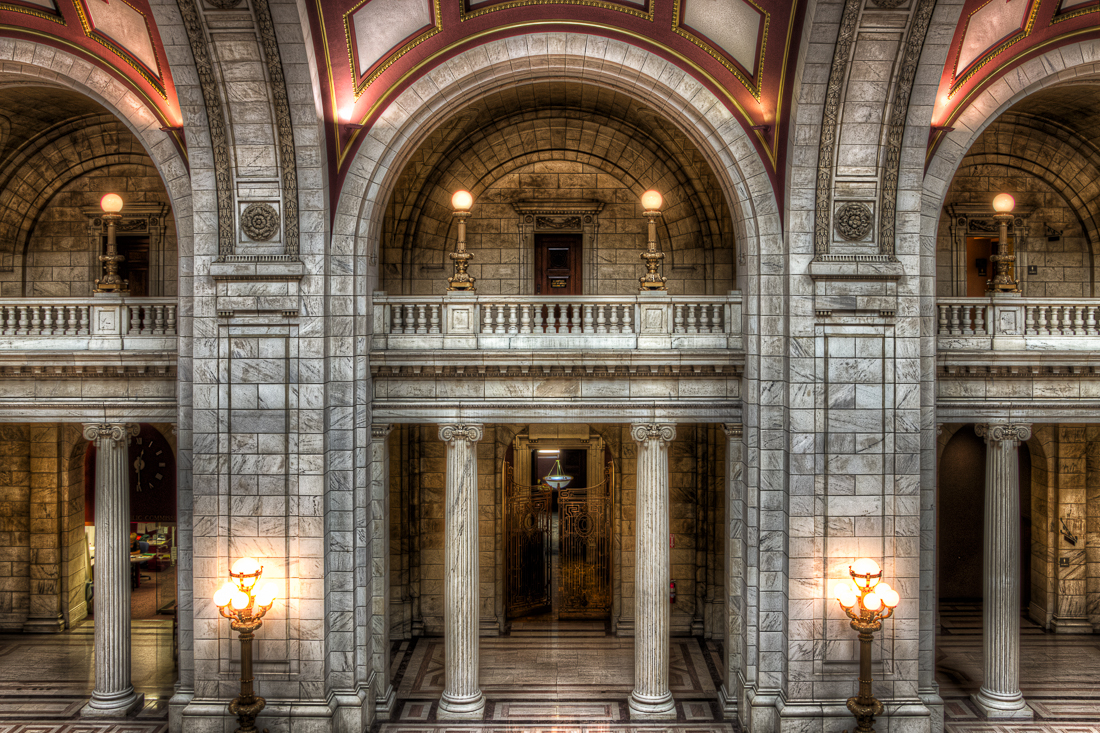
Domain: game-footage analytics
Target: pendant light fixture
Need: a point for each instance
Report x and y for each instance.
(557, 478)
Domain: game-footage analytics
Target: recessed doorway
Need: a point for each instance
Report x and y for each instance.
(558, 264)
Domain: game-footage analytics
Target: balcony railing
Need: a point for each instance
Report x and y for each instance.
(534, 322)
(1007, 323)
(88, 324)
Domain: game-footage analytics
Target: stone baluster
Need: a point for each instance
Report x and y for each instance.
(462, 696)
(716, 320)
(540, 326)
(651, 697)
(574, 319)
(398, 325)
(941, 330)
(525, 318)
(613, 320)
(627, 314)
(691, 325)
(24, 322)
(704, 320)
(11, 320)
(135, 319)
(47, 320)
(36, 320)
(1029, 319)
(678, 319)
(1055, 314)
(433, 323)
(588, 323)
(170, 320)
(1078, 321)
(954, 320)
(999, 696)
(85, 319)
(967, 323)
(114, 694)
(513, 318)
(486, 318)
(1090, 320)
(410, 318)
(158, 319)
(601, 322)
(422, 318)
(500, 325)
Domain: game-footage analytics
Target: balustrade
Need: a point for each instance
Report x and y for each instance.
(596, 322)
(76, 323)
(1017, 323)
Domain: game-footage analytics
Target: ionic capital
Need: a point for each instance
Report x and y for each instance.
(642, 432)
(997, 432)
(470, 433)
(117, 432)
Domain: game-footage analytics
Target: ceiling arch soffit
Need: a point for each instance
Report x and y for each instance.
(120, 37)
(994, 37)
(431, 169)
(374, 50)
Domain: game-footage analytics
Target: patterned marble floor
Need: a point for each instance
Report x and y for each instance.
(550, 678)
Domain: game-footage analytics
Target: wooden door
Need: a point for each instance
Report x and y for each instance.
(136, 267)
(979, 269)
(558, 264)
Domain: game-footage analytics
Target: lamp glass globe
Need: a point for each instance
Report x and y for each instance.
(462, 200)
(111, 203)
(223, 595)
(1003, 203)
(872, 602)
(266, 594)
(240, 600)
(245, 566)
(652, 200)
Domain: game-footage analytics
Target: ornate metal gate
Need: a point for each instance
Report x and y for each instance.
(583, 548)
(526, 546)
(584, 521)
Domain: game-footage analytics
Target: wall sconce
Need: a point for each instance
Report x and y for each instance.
(110, 283)
(461, 202)
(1066, 534)
(239, 601)
(651, 209)
(868, 602)
(1004, 281)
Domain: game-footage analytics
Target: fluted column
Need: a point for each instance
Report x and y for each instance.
(461, 687)
(651, 697)
(380, 567)
(114, 694)
(999, 696)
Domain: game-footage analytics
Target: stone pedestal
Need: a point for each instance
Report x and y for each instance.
(380, 569)
(651, 697)
(114, 694)
(999, 696)
(462, 696)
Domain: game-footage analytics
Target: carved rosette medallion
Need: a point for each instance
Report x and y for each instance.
(653, 431)
(260, 222)
(853, 221)
(996, 432)
(471, 433)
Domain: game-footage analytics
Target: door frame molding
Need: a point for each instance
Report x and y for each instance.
(561, 216)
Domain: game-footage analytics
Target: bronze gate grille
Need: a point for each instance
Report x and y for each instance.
(583, 548)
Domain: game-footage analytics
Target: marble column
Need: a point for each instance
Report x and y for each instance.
(999, 696)
(651, 697)
(462, 696)
(734, 574)
(380, 568)
(114, 694)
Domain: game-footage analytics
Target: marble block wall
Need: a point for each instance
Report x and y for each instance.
(45, 524)
(74, 548)
(1069, 518)
(15, 492)
(1044, 484)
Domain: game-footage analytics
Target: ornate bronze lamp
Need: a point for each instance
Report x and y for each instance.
(868, 602)
(240, 602)
(110, 282)
(1004, 281)
(651, 280)
(461, 202)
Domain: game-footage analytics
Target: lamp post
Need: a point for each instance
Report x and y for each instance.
(1003, 281)
(240, 602)
(868, 602)
(110, 282)
(461, 202)
(651, 209)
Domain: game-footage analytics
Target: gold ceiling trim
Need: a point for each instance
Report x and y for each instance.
(754, 89)
(388, 61)
(156, 81)
(983, 60)
(466, 15)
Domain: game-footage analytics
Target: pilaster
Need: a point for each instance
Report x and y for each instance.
(380, 568)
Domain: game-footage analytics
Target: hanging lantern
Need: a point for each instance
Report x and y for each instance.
(557, 478)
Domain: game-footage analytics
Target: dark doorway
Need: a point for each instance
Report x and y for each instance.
(136, 267)
(558, 541)
(558, 264)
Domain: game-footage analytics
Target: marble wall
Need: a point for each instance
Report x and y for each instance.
(15, 515)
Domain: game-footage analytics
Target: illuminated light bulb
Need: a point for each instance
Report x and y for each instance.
(346, 112)
(652, 200)
(890, 597)
(462, 200)
(224, 595)
(245, 566)
(240, 600)
(872, 602)
(862, 568)
(1003, 203)
(844, 594)
(111, 203)
(266, 595)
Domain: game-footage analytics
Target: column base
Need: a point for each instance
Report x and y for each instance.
(383, 706)
(727, 703)
(1000, 707)
(647, 707)
(113, 706)
(461, 707)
